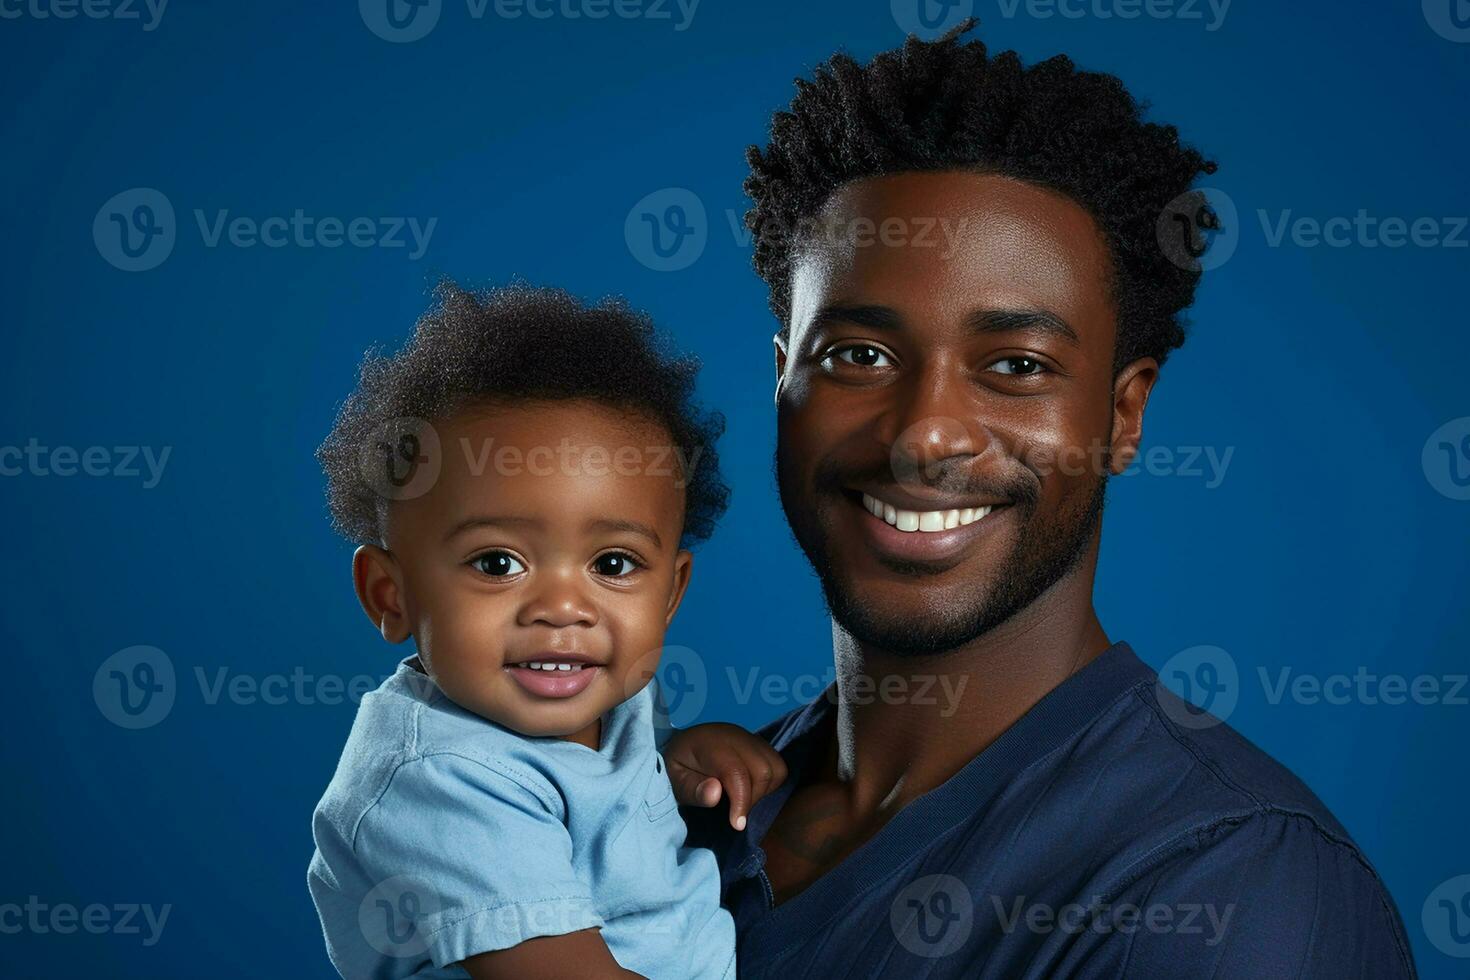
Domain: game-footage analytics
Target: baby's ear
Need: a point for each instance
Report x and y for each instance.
(377, 578)
(683, 565)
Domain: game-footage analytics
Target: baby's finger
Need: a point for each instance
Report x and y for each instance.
(708, 793)
(735, 778)
(767, 771)
(692, 787)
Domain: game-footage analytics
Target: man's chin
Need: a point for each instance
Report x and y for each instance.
(911, 618)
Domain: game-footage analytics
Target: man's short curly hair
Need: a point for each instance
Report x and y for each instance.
(949, 105)
(515, 344)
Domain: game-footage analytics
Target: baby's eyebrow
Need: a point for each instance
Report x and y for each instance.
(614, 524)
(485, 520)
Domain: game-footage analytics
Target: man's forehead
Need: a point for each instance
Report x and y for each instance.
(958, 239)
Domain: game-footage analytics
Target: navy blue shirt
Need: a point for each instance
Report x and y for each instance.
(1097, 837)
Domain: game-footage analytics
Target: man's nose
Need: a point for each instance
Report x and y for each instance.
(933, 422)
(559, 598)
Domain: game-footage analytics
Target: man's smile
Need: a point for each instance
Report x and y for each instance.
(896, 524)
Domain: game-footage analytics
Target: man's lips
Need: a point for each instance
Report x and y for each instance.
(554, 675)
(901, 525)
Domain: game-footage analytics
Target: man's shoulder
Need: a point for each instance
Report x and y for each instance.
(1200, 767)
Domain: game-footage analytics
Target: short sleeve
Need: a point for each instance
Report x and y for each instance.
(470, 858)
(1271, 897)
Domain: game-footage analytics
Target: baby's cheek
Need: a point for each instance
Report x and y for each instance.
(638, 639)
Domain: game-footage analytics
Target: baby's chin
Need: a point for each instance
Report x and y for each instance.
(554, 720)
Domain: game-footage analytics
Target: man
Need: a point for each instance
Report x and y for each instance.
(949, 412)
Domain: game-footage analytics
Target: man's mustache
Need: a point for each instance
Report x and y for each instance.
(948, 477)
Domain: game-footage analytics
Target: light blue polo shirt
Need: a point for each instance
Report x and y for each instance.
(443, 835)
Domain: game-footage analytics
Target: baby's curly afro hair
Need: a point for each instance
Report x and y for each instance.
(513, 344)
(950, 105)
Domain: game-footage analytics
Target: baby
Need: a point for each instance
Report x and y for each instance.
(523, 480)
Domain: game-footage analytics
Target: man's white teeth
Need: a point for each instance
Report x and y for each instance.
(923, 520)
(539, 665)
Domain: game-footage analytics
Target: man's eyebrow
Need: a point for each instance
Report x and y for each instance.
(982, 321)
(863, 315)
(1003, 321)
(488, 520)
(634, 527)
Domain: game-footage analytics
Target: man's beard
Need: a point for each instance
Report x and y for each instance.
(1042, 556)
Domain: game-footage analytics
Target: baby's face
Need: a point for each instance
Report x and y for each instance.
(539, 572)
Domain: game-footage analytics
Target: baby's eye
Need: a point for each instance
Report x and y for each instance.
(1018, 365)
(860, 355)
(497, 564)
(615, 564)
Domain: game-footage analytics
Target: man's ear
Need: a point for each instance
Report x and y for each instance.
(779, 341)
(1131, 389)
(379, 584)
(683, 564)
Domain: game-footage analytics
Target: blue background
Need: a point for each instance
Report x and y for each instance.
(1325, 548)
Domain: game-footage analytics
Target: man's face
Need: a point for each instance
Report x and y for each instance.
(949, 366)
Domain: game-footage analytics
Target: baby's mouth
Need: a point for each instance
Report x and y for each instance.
(554, 675)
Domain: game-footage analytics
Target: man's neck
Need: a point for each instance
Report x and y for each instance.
(904, 725)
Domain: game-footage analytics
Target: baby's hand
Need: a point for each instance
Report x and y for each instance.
(706, 759)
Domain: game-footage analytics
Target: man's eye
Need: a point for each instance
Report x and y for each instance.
(497, 564)
(614, 564)
(860, 355)
(1018, 365)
